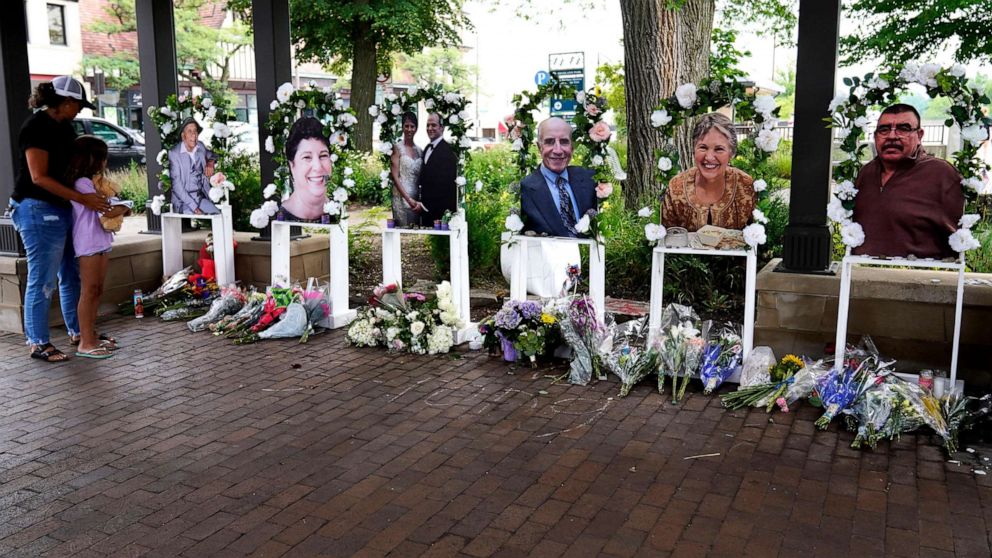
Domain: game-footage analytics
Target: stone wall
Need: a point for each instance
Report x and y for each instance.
(909, 313)
(136, 263)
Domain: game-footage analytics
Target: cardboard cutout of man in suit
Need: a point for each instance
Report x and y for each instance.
(555, 196)
(191, 165)
(438, 192)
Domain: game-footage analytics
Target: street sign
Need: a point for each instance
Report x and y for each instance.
(541, 77)
(570, 68)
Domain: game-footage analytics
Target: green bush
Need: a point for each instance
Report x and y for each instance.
(496, 168)
(243, 170)
(780, 162)
(134, 185)
(368, 188)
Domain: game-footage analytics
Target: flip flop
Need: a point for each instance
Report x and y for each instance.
(105, 340)
(48, 353)
(100, 352)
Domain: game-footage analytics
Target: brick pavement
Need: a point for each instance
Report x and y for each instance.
(185, 444)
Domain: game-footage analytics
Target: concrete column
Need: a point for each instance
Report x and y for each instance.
(807, 237)
(15, 88)
(157, 57)
(270, 20)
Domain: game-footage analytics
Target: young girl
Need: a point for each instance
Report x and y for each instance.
(91, 242)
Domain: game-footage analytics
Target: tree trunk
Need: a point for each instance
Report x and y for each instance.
(695, 27)
(643, 67)
(363, 76)
(663, 48)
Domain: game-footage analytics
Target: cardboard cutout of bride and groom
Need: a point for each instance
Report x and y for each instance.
(424, 187)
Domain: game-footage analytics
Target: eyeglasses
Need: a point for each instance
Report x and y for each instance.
(902, 130)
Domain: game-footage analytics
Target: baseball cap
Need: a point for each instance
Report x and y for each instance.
(68, 86)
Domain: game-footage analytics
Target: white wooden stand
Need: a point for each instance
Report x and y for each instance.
(392, 270)
(658, 280)
(844, 303)
(597, 268)
(341, 314)
(222, 227)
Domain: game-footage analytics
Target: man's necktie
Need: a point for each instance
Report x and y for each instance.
(427, 151)
(565, 207)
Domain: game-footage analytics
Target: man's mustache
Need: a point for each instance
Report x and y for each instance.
(895, 144)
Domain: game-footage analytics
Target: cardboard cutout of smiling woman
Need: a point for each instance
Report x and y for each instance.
(309, 154)
(191, 165)
(711, 192)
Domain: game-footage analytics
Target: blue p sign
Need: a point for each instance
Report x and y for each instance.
(541, 77)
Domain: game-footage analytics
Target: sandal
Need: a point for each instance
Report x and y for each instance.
(48, 353)
(105, 340)
(100, 352)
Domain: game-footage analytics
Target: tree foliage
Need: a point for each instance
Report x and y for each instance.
(366, 34)
(610, 78)
(203, 53)
(439, 65)
(774, 18)
(900, 30)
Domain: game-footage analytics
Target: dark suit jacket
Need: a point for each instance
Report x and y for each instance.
(438, 191)
(540, 214)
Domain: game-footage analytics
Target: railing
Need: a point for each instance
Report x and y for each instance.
(933, 133)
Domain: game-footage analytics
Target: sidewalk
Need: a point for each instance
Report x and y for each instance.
(185, 444)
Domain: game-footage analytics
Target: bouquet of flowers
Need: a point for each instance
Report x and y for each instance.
(248, 314)
(230, 301)
(870, 413)
(589, 339)
(781, 375)
(314, 301)
(407, 321)
(721, 356)
(839, 390)
(518, 319)
(629, 359)
(680, 348)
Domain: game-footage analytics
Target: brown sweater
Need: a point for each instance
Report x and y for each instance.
(914, 213)
(681, 208)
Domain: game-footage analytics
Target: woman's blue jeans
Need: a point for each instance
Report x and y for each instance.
(46, 231)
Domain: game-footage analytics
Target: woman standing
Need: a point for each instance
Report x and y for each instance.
(42, 213)
(404, 168)
(712, 192)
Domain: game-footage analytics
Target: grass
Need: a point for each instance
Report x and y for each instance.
(134, 185)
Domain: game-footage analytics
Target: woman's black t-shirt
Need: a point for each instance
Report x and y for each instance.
(41, 131)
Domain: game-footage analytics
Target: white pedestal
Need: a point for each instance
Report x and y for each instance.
(844, 303)
(597, 268)
(222, 228)
(341, 314)
(392, 270)
(658, 280)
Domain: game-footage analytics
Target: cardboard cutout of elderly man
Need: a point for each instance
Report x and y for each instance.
(552, 200)
(190, 166)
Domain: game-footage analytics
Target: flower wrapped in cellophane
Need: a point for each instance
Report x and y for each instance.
(628, 358)
(721, 356)
(242, 318)
(230, 301)
(679, 347)
(870, 413)
(589, 339)
(782, 377)
(839, 389)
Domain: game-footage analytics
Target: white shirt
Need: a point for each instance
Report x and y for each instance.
(429, 149)
(191, 153)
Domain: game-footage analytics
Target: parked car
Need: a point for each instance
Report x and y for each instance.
(482, 143)
(123, 146)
